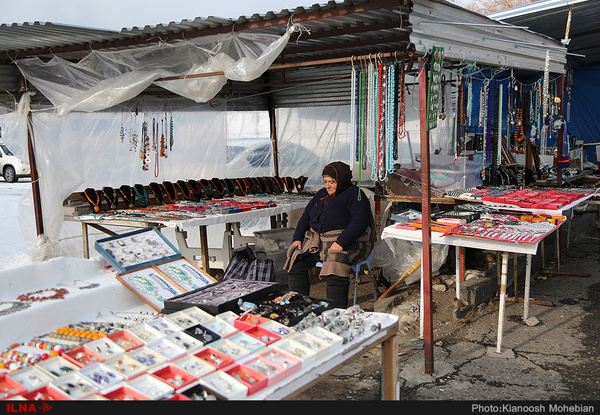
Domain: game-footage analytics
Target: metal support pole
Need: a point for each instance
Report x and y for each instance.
(502, 301)
(527, 283)
(426, 219)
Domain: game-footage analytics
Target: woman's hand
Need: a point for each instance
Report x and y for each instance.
(297, 244)
(336, 247)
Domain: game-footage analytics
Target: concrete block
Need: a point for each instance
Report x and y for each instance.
(478, 290)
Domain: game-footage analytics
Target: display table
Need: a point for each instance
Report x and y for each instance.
(283, 205)
(505, 247)
(95, 295)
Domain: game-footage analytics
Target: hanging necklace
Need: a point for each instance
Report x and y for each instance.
(157, 192)
(185, 190)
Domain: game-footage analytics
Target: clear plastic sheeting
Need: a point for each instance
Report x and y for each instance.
(107, 78)
(396, 257)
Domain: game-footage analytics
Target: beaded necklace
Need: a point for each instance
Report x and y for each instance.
(127, 194)
(93, 197)
(402, 104)
(142, 194)
(59, 294)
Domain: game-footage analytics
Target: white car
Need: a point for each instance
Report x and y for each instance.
(11, 167)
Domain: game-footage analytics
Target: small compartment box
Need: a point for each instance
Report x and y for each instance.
(103, 377)
(217, 359)
(151, 386)
(320, 347)
(194, 365)
(127, 366)
(188, 343)
(164, 325)
(200, 315)
(233, 350)
(58, 366)
(106, 348)
(247, 342)
(224, 386)
(168, 349)
(262, 334)
(203, 334)
(299, 351)
(149, 358)
(83, 356)
(125, 393)
(280, 358)
(126, 340)
(47, 393)
(76, 386)
(176, 377)
(277, 328)
(32, 377)
(221, 296)
(248, 320)
(143, 333)
(273, 372)
(220, 327)
(252, 379)
(10, 387)
(326, 336)
(182, 320)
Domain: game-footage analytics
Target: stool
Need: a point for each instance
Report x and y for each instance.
(356, 268)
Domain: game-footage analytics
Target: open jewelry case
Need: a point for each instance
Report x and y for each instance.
(221, 296)
(151, 267)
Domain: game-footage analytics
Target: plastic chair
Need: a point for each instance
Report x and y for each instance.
(356, 268)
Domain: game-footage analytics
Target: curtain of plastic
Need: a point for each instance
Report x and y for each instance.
(106, 78)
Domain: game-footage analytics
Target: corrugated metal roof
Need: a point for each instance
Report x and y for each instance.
(336, 31)
(549, 17)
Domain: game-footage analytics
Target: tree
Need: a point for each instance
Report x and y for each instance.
(491, 6)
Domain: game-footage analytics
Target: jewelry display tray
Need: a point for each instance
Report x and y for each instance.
(151, 267)
(136, 249)
(251, 291)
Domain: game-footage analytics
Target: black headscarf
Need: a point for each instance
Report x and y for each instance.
(342, 174)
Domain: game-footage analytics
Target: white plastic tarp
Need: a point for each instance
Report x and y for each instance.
(106, 78)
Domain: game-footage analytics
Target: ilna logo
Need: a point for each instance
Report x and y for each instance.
(27, 407)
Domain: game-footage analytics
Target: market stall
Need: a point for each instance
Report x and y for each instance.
(394, 94)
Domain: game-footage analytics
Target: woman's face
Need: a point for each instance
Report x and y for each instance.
(330, 184)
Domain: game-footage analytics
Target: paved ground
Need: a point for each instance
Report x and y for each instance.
(555, 359)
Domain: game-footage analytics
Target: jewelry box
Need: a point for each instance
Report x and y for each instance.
(58, 366)
(76, 386)
(125, 393)
(194, 365)
(32, 377)
(224, 386)
(10, 387)
(127, 366)
(47, 393)
(252, 379)
(103, 377)
(301, 352)
(151, 266)
(177, 377)
(221, 296)
(288, 363)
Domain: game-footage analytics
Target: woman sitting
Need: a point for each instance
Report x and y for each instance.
(336, 229)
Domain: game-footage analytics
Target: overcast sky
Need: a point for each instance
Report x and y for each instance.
(118, 14)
